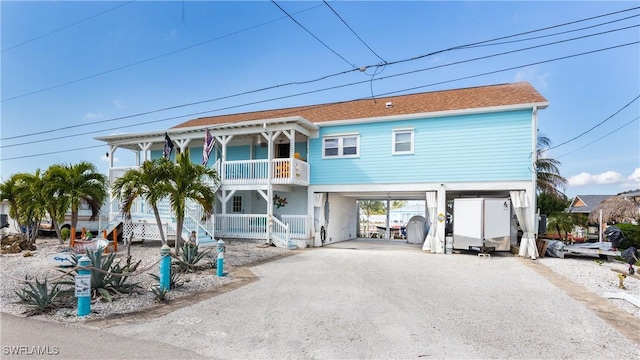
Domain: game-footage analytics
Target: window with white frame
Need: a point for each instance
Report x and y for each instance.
(402, 141)
(341, 146)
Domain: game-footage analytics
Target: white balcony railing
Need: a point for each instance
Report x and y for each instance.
(285, 171)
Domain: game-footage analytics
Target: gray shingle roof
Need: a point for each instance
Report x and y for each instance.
(590, 201)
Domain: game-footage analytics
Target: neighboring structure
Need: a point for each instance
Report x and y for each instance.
(293, 176)
(584, 204)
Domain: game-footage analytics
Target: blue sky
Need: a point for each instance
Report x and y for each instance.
(69, 64)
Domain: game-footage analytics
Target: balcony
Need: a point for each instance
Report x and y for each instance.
(252, 172)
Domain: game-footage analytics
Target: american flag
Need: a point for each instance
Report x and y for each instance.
(209, 143)
(168, 146)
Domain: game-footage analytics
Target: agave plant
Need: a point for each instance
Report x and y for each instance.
(160, 293)
(174, 281)
(39, 297)
(187, 259)
(109, 278)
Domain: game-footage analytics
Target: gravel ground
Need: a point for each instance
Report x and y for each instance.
(14, 267)
(596, 276)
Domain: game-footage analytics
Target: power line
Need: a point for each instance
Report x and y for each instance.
(595, 126)
(310, 33)
(150, 59)
(52, 152)
(289, 84)
(354, 33)
(372, 96)
(311, 8)
(365, 98)
(66, 26)
(554, 34)
(600, 138)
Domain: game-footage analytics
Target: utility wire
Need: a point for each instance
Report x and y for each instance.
(52, 152)
(362, 98)
(310, 33)
(595, 126)
(354, 33)
(600, 138)
(554, 34)
(308, 81)
(371, 88)
(503, 37)
(260, 90)
(150, 59)
(66, 26)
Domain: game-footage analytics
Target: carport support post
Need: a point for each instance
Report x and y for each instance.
(165, 268)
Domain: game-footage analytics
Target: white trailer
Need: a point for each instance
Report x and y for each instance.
(482, 224)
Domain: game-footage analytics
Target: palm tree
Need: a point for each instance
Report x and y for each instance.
(31, 200)
(58, 198)
(8, 192)
(188, 180)
(144, 182)
(85, 184)
(549, 179)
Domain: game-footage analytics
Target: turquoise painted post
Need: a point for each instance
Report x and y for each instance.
(165, 267)
(83, 287)
(220, 266)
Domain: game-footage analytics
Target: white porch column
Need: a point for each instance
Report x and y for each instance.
(182, 144)
(144, 149)
(387, 233)
(441, 219)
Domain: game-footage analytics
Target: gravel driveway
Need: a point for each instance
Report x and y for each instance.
(341, 301)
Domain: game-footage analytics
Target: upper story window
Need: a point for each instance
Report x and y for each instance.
(341, 146)
(402, 141)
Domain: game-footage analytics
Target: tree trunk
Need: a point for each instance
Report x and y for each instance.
(54, 224)
(156, 213)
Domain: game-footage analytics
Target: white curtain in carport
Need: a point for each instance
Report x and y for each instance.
(317, 199)
(524, 212)
(432, 208)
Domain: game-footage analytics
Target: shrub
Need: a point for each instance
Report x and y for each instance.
(64, 233)
(189, 257)
(631, 235)
(38, 297)
(161, 294)
(108, 278)
(174, 281)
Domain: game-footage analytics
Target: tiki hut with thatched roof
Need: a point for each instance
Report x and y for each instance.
(616, 209)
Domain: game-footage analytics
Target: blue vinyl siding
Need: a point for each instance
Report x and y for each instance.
(478, 147)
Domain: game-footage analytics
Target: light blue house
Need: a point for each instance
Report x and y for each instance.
(293, 176)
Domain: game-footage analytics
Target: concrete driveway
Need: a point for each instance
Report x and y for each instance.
(364, 299)
(367, 299)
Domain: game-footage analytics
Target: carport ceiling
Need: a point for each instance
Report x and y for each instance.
(417, 195)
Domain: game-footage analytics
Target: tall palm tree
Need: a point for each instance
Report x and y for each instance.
(549, 180)
(145, 182)
(188, 180)
(31, 198)
(85, 184)
(58, 198)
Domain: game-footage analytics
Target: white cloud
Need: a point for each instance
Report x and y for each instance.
(93, 116)
(635, 176)
(531, 75)
(119, 103)
(584, 178)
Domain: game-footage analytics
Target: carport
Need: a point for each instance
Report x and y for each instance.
(336, 211)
